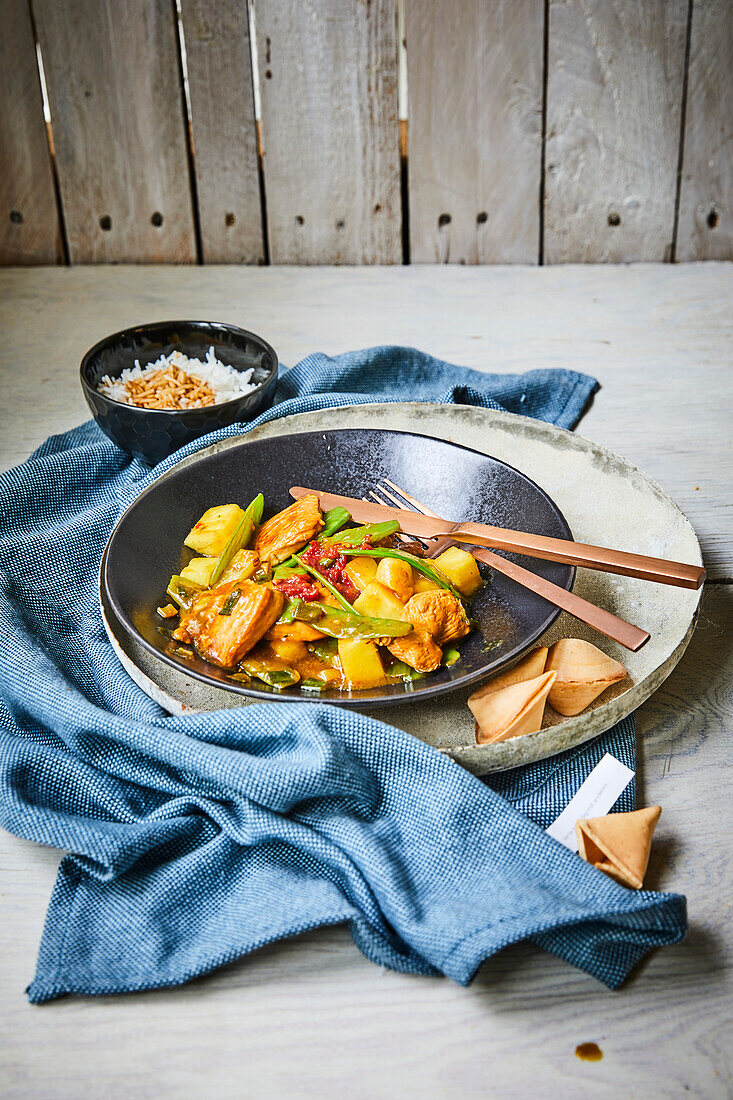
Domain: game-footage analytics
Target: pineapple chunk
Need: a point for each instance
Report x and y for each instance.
(361, 571)
(397, 575)
(213, 531)
(290, 651)
(243, 565)
(421, 583)
(361, 663)
(379, 602)
(460, 567)
(199, 570)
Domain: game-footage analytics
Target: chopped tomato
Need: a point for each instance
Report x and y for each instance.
(299, 587)
(331, 562)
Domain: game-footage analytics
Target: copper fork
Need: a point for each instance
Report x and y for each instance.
(626, 634)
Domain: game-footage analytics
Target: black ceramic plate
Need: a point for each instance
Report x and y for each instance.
(146, 546)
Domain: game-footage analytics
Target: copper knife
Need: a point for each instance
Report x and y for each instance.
(519, 542)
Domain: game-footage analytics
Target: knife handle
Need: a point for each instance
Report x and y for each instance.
(626, 634)
(579, 553)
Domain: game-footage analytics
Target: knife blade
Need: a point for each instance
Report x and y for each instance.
(519, 542)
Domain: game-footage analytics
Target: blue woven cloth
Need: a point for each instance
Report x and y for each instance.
(194, 840)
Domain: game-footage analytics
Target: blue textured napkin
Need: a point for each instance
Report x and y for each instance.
(196, 839)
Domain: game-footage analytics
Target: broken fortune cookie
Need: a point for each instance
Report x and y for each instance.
(583, 672)
(619, 844)
(511, 711)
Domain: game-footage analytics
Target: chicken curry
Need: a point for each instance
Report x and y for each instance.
(311, 599)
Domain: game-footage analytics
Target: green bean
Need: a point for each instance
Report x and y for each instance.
(374, 532)
(361, 626)
(241, 536)
(450, 657)
(282, 572)
(274, 677)
(311, 684)
(336, 623)
(327, 584)
(325, 650)
(333, 521)
(303, 611)
(399, 668)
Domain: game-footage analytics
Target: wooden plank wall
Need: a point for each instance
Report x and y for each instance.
(29, 224)
(615, 84)
(330, 130)
(114, 87)
(475, 130)
(219, 64)
(706, 198)
(540, 131)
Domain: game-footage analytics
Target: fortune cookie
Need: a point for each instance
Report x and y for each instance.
(583, 672)
(529, 668)
(511, 711)
(619, 844)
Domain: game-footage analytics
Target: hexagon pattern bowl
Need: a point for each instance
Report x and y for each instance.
(152, 435)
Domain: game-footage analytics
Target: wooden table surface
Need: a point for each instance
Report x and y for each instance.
(311, 1017)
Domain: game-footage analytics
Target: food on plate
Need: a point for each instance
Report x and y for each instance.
(583, 673)
(397, 575)
(288, 531)
(225, 622)
(175, 381)
(310, 599)
(511, 711)
(462, 569)
(619, 844)
(440, 613)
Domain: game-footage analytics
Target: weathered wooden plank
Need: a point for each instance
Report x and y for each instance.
(705, 230)
(218, 59)
(475, 130)
(614, 96)
(328, 86)
(29, 219)
(114, 87)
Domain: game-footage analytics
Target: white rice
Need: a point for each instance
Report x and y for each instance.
(226, 382)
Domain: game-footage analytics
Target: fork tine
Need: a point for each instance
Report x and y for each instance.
(375, 495)
(424, 542)
(391, 498)
(415, 504)
(436, 545)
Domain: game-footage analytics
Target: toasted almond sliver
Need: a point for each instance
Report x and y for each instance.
(169, 389)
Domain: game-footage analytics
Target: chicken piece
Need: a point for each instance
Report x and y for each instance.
(288, 530)
(293, 632)
(440, 613)
(243, 565)
(226, 622)
(417, 649)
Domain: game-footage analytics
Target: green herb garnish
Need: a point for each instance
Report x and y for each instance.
(230, 602)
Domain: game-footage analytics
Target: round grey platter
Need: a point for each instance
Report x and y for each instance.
(606, 500)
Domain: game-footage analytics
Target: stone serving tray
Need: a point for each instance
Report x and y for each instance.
(605, 499)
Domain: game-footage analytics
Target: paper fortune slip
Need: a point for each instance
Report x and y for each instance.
(595, 797)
